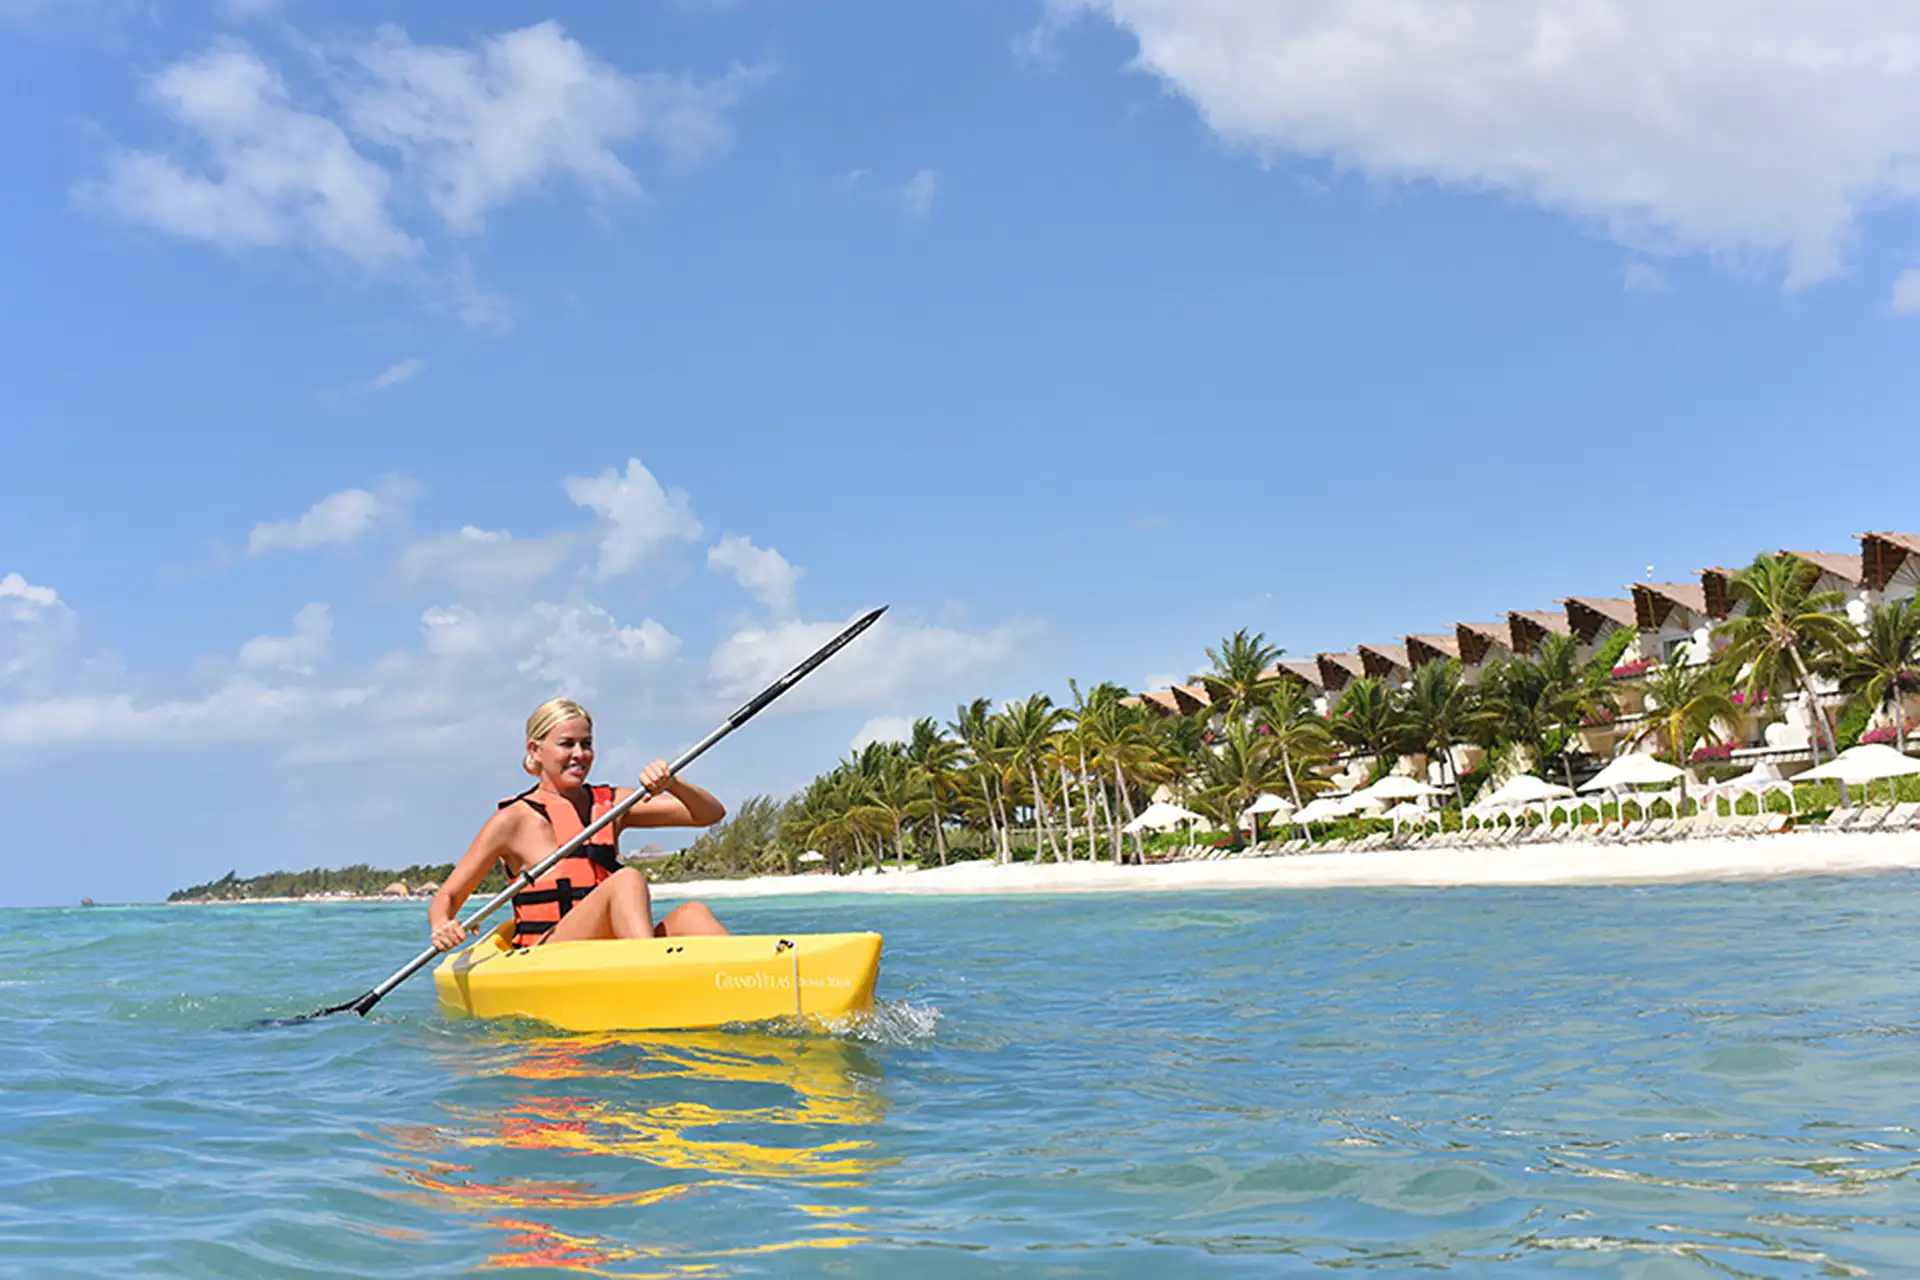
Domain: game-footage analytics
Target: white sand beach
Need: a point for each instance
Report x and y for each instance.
(1762, 858)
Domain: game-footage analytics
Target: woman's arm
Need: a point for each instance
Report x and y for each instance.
(468, 872)
(675, 802)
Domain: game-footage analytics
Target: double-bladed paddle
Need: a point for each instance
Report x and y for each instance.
(747, 712)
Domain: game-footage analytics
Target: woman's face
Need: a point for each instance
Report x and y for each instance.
(565, 755)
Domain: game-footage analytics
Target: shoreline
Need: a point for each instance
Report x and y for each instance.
(1702, 860)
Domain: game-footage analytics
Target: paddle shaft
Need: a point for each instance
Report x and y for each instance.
(520, 882)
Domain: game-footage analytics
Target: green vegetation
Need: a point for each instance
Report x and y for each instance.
(1036, 780)
(359, 880)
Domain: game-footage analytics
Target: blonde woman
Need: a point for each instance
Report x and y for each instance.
(588, 894)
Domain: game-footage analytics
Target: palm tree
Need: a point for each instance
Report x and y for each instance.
(1883, 666)
(1243, 675)
(1297, 732)
(1439, 710)
(1233, 776)
(1686, 702)
(975, 724)
(1539, 701)
(1030, 727)
(1785, 621)
(936, 761)
(1364, 719)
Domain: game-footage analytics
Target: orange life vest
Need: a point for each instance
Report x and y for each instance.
(539, 907)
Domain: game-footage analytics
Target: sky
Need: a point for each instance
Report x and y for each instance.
(368, 376)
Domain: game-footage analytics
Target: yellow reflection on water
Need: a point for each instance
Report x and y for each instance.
(685, 1112)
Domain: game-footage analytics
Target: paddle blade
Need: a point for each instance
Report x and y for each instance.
(359, 1006)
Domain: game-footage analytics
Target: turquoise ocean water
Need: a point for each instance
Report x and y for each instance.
(1676, 1081)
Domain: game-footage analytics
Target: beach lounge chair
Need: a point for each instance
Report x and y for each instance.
(1872, 818)
(1903, 817)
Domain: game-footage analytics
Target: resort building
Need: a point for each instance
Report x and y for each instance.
(1673, 621)
(1387, 662)
(1890, 564)
(1526, 629)
(1668, 620)
(1482, 643)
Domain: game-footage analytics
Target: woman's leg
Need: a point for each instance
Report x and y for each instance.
(690, 920)
(619, 907)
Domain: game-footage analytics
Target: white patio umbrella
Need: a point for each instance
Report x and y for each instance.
(1524, 788)
(1398, 786)
(1759, 780)
(811, 855)
(1265, 802)
(1161, 816)
(1635, 770)
(1864, 765)
(1323, 809)
(1406, 813)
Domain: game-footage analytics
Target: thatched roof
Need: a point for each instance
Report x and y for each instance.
(1338, 668)
(1526, 628)
(1423, 649)
(1192, 697)
(1307, 673)
(1839, 564)
(1882, 554)
(1162, 701)
(1479, 639)
(1384, 661)
(1716, 589)
(1594, 616)
(1653, 601)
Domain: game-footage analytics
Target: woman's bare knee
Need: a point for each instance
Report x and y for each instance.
(691, 919)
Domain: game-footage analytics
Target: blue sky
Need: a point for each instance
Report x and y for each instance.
(362, 384)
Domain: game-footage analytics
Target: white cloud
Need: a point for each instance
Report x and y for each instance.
(917, 194)
(338, 518)
(386, 131)
(1906, 294)
(22, 601)
(582, 641)
(761, 570)
(882, 729)
(641, 517)
(269, 174)
(36, 630)
(398, 374)
(484, 561)
(893, 662)
(1163, 680)
(449, 697)
(1731, 127)
(296, 653)
(1643, 277)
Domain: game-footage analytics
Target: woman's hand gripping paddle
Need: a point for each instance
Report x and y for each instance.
(533, 873)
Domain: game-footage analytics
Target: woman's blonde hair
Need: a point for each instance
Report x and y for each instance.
(542, 722)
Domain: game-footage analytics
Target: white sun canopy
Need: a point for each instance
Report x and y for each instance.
(1634, 770)
(1399, 787)
(1864, 764)
(1161, 816)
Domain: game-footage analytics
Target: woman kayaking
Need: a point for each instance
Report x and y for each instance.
(588, 894)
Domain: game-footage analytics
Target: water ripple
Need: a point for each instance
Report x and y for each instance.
(1651, 1082)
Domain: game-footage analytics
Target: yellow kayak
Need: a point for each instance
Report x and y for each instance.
(650, 984)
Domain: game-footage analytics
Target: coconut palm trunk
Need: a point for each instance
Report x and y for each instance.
(1040, 821)
(1818, 716)
(1126, 805)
